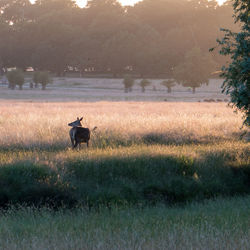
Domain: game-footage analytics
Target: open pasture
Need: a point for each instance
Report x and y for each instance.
(146, 161)
(101, 89)
(29, 125)
(140, 153)
(220, 224)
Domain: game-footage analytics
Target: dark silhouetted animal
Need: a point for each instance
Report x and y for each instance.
(78, 134)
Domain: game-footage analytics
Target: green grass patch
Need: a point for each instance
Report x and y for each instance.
(214, 224)
(136, 175)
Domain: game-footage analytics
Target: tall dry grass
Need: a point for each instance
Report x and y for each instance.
(30, 124)
(220, 224)
(173, 170)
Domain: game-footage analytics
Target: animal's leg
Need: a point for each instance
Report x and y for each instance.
(76, 143)
(72, 142)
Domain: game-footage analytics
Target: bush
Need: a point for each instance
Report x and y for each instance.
(16, 77)
(41, 77)
(122, 180)
(128, 83)
(148, 180)
(32, 185)
(169, 84)
(144, 83)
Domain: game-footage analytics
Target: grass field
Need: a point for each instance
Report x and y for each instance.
(93, 89)
(137, 185)
(119, 123)
(220, 224)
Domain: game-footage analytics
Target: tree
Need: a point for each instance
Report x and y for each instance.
(16, 77)
(237, 73)
(83, 52)
(195, 70)
(35, 78)
(128, 83)
(168, 84)
(144, 83)
(15, 11)
(41, 77)
(118, 52)
(44, 79)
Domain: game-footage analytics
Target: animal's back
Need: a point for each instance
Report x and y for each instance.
(82, 134)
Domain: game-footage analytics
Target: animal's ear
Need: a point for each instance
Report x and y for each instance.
(77, 118)
(81, 118)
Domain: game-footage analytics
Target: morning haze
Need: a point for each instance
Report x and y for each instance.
(115, 133)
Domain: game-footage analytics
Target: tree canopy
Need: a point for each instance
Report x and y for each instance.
(237, 72)
(149, 39)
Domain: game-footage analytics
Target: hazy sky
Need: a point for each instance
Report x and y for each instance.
(82, 3)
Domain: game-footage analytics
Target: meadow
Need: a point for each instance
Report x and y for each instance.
(148, 180)
(215, 224)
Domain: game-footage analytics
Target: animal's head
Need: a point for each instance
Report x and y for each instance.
(76, 123)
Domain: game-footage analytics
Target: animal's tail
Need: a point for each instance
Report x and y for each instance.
(93, 129)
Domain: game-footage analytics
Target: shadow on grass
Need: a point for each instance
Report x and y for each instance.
(125, 180)
(114, 140)
(111, 139)
(46, 148)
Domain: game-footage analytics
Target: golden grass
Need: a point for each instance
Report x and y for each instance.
(125, 130)
(27, 124)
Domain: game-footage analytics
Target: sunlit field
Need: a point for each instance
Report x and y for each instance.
(141, 183)
(44, 125)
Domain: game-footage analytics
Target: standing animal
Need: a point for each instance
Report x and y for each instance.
(78, 134)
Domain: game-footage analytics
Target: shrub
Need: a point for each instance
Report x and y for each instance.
(128, 83)
(144, 83)
(16, 77)
(41, 77)
(26, 183)
(169, 84)
(132, 179)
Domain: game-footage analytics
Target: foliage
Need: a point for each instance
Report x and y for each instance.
(35, 78)
(237, 73)
(41, 77)
(128, 83)
(30, 184)
(195, 70)
(169, 84)
(15, 77)
(148, 39)
(44, 79)
(146, 178)
(144, 83)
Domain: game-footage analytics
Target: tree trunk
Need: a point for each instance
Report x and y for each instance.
(20, 87)
(12, 86)
(169, 89)
(43, 86)
(81, 73)
(193, 90)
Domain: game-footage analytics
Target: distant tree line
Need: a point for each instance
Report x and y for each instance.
(153, 37)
